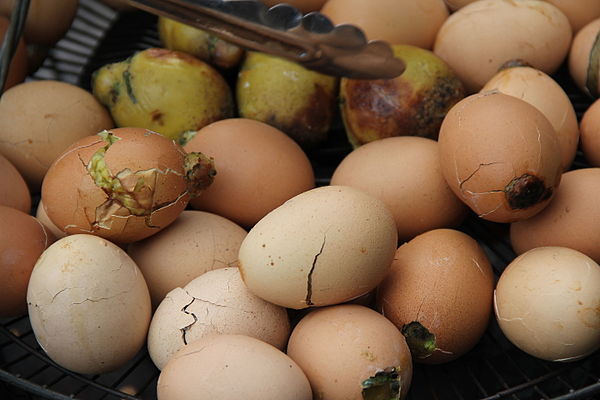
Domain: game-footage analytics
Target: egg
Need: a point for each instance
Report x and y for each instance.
(547, 303)
(325, 246)
(259, 167)
(216, 302)
(22, 241)
(124, 185)
(195, 243)
(88, 304)
(439, 293)
(350, 352)
(404, 172)
(13, 188)
(590, 134)
(40, 119)
(482, 36)
(579, 12)
(40, 214)
(394, 21)
(17, 70)
(583, 67)
(456, 4)
(232, 367)
(500, 155)
(544, 93)
(570, 220)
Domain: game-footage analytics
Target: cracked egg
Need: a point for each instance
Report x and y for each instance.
(500, 155)
(124, 185)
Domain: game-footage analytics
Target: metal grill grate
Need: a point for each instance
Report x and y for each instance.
(495, 369)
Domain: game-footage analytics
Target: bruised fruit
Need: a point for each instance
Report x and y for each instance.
(201, 44)
(284, 94)
(412, 104)
(166, 91)
(124, 185)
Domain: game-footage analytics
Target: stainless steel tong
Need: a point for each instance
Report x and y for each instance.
(310, 40)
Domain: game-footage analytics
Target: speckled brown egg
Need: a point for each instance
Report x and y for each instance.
(500, 155)
(590, 134)
(22, 240)
(195, 243)
(216, 302)
(124, 185)
(583, 59)
(439, 293)
(351, 352)
(13, 188)
(259, 168)
(404, 173)
(570, 220)
(482, 36)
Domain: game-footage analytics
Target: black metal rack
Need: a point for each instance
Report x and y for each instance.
(494, 369)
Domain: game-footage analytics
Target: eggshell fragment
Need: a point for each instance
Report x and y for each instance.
(322, 247)
(232, 367)
(351, 352)
(500, 156)
(88, 304)
(547, 303)
(216, 302)
(195, 243)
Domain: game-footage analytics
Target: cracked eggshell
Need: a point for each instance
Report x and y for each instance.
(200, 242)
(500, 155)
(232, 367)
(88, 304)
(443, 280)
(150, 169)
(325, 246)
(216, 302)
(547, 303)
(482, 36)
(544, 93)
(341, 347)
(40, 119)
(22, 240)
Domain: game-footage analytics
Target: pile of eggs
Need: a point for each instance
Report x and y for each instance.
(246, 279)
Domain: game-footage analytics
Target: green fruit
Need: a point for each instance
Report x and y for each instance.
(199, 43)
(284, 94)
(165, 91)
(412, 104)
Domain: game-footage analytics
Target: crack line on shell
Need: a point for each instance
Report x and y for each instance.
(187, 327)
(308, 299)
(481, 165)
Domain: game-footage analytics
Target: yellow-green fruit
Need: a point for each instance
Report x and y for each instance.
(164, 91)
(412, 104)
(282, 93)
(199, 43)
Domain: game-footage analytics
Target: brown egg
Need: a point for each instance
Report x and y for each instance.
(40, 214)
(124, 185)
(500, 155)
(546, 303)
(13, 189)
(482, 36)
(570, 220)
(405, 173)
(584, 71)
(196, 242)
(394, 21)
(22, 240)
(579, 12)
(590, 134)
(303, 5)
(232, 367)
(439, 293)
(216, 302)
(40, 119)
(351, 352)
(17, 72)
(259, 167)
(47, 20)
(543, 92)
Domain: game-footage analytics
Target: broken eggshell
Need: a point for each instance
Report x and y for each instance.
(500, 155)
(216, 302)
(123, 185)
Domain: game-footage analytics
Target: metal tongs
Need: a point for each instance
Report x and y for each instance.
(310, 40)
